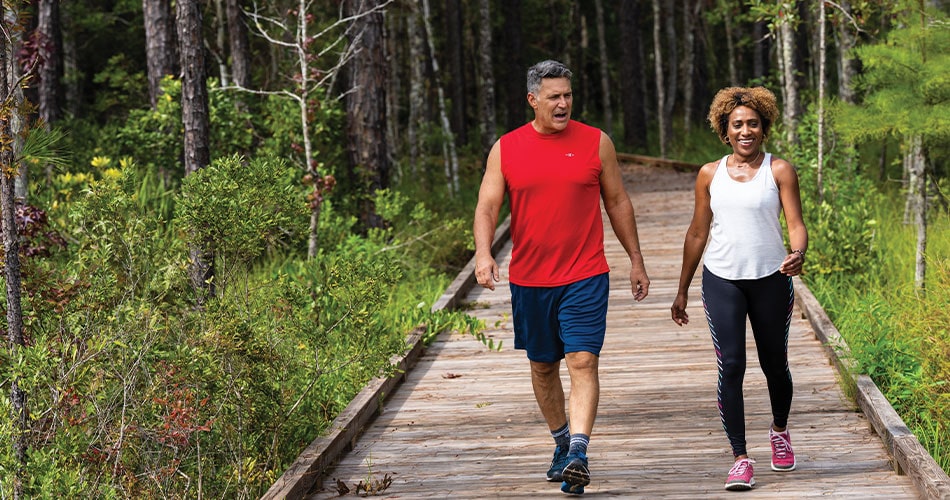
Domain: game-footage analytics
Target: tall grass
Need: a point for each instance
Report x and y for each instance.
(898, 334)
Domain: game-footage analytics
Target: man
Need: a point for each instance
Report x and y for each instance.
(555, 172)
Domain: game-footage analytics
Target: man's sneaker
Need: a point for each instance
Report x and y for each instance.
(571, 489)
(557, 464)
(576, 475)
(740, 476)
(783, 458)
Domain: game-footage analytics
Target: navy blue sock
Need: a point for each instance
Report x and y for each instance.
(562, 437)
(579, 444)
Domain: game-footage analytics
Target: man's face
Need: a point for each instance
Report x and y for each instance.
(552, 105)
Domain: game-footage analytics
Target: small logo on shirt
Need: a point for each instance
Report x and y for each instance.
(569, 155)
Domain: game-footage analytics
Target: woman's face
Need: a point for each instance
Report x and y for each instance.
(744, 131)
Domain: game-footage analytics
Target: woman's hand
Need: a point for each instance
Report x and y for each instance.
(678, 310)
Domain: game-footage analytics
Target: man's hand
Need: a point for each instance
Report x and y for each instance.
(639, 283)
(486, 272)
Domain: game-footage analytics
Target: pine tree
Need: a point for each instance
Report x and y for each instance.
(907, 83)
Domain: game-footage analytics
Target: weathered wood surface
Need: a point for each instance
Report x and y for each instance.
(464, 424)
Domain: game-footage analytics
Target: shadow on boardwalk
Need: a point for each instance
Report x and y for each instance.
(464, 424)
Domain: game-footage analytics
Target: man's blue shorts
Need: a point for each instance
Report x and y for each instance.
(552, 321)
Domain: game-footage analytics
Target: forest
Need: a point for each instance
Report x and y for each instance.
(221, 218)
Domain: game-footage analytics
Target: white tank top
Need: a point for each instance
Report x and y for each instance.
(746, 235)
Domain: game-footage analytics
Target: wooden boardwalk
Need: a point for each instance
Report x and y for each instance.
(464, 424)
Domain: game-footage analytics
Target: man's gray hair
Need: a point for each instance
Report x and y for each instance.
(545, 69)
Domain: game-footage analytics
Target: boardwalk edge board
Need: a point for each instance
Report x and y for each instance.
(907, 453)
(310, 465)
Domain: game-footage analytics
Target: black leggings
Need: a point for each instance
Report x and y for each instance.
(768, 304)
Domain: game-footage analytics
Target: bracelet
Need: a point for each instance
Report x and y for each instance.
(800, 252)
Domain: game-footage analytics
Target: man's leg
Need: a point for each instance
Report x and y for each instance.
(546, 381)
(585, 390)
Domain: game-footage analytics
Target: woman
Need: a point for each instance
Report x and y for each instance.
(747, 271)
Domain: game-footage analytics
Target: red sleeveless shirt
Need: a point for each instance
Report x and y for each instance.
(553, 185)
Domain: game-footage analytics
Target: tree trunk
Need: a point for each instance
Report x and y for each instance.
(457, 80)
(631, 77)
(672, 55)
(221, 41)
(486, 78)
(392, 36)
(159, 44)
(239, 45)
(604, 71)
(417, 102)
(51, 56)
(690, 12)
(730, 42)
(194, 114)
(791, 106)
(760, 59)
(917, 196)
(822, 83)
(662, 117)
(847, 64)
(515, 71)
(448, 141)
(918, 191)
(71, 81)
(366, 105)
(11, 267)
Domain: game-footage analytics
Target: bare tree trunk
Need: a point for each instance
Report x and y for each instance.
(11, 253)
(221, 41)
(631, 78)
(730, 43)
(457, 82)
(70, 82)
(159, 44)
(487, 78)
(662, 117)
(847, 64)
(239, 44)
(822, 83)
(366, 105)
(417, 57)
(51, 57)
(672, 55)
(604, 70)
(690, 11)
(448, 142)
(515, 71)
(760, 58)
(392, 35)
(194, 114)
(918, 191)
(791, 109)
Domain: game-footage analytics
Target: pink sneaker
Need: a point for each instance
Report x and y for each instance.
(783, 458)
(740, 476)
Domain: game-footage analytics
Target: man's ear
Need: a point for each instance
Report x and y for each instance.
(532, 100)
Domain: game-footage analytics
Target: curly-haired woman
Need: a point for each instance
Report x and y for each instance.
(747, 270)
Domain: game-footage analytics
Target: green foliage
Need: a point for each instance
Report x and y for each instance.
(122, 83)
(906, 84)
(415, 235)
(238, 209)
(863, 275)
(842, 226)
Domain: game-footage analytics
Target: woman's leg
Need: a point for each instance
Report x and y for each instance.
(725, 306)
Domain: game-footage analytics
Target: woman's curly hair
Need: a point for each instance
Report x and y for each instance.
(760, 99)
